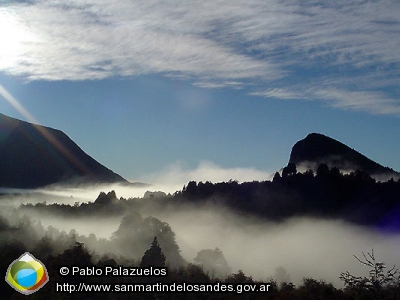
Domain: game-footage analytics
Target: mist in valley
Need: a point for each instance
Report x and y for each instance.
(302, 247)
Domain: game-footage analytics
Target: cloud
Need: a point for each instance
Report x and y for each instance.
(175, 176)
(305, 247)
(94, 41)
(280, 93)
(168, 180)
(266, 46)
(373, 102)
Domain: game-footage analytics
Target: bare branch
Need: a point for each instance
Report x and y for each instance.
(377, 276)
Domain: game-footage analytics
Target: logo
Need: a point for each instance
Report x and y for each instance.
(27, 274)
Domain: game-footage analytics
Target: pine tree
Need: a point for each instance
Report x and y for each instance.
(153, 256)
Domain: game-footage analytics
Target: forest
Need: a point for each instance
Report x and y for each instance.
(142, 239)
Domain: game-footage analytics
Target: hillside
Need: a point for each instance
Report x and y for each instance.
(34, 156)
(316, 148)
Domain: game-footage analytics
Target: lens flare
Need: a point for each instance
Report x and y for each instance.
(43, 131)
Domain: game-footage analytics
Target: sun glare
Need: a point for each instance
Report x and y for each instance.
(13, 38)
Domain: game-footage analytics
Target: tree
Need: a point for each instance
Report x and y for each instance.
(166, 239)
(317, 289)
(135, 233)
(213, 262)
(277, 177)
(191, 188)
(239, 277)
(153, 256)
(323, 171)
(290, 169)
(76, 255)
(377, 279)
(106, 199)
(190, 273)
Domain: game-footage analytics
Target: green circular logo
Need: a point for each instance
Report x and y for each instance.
(27, 274)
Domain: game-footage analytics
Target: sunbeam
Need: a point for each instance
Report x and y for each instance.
(43, 131)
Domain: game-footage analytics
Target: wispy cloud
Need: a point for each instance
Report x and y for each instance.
(270, 44)
(372, 102)
(280, 93)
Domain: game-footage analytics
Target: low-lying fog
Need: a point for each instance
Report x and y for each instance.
(305, 247)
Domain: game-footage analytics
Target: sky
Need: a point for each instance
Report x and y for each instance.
(165, 88)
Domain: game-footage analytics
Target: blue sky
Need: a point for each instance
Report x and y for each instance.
(204, 86)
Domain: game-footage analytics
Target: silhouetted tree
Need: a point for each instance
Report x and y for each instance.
(323, 170)
(335, 172)
(239, 277)
(317, 289)
(276, 178)
(190, 273)
(191, 188)
(106, 199)
(44, 247)
(166, 240)
(135, 233)
(153, 256)
(290, 169)
(377, 280)
(77, 255)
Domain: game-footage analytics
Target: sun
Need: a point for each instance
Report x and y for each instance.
(14, 38)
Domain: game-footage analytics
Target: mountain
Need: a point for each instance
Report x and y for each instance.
(34, 156)
(350, 195)
(317, 148)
